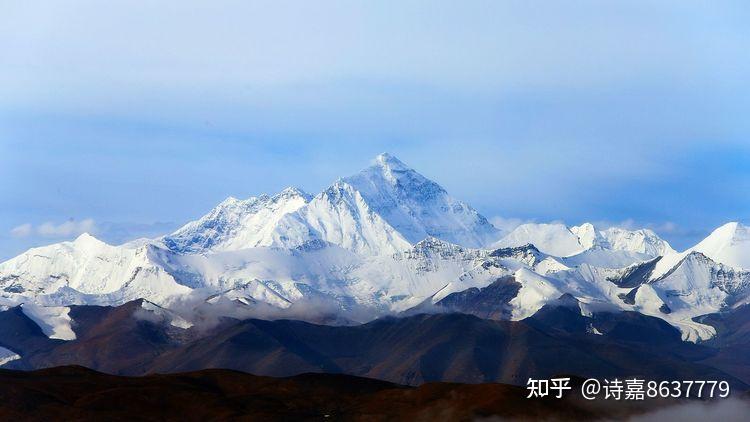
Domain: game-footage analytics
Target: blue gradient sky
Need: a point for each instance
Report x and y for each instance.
(131, 119)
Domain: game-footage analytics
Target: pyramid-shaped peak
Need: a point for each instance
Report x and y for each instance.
(389, 182)
(87, 240)
(85, 237)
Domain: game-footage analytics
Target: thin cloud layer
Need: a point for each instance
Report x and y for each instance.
(55, 230)
(23, 230)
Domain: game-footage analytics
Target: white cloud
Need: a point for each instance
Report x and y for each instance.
(507, 224)
(68, 228)
(24, 230)
(666, 227)
(51, 229)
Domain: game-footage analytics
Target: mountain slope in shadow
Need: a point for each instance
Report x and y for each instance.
(76, 393)
(410, 350)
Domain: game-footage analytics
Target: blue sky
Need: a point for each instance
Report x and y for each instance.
(128, 120)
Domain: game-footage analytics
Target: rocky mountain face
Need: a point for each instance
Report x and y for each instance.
(137, 338)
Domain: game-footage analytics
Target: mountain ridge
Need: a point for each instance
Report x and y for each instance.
(380, 242)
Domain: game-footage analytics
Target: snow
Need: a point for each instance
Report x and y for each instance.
(173, 319)
(641, 241)
(587, 235)
(417, 207)
(383, 209)
(592, 330)
(728, 244)
(53, 320)
(553, 239)
(237, 224)
(341, 215)
(536, 291)
(606, 258)
(7, 355)
(695, 285)
(90, 267)
(623, 246)
(647, 300)
(550, 265)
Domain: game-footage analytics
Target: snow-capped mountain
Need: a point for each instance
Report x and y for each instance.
(385, 240)
(340, 215)
(237, 224)
(643, 241)
(728, 245)
(554, 239)
(384, 209)
(418, 207)
(76, 272)
(612, 247)
(698, 286)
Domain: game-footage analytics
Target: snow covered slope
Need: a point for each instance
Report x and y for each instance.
(418, 207)
(697, 286)
(340, 215)
(89, 271)
(554, 239)
(729, 245)
(237, 224)
(643, 241)
(559, 240)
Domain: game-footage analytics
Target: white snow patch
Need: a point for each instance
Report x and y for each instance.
(53, 320)
(535, 292)
(7, 355)
(174, 319)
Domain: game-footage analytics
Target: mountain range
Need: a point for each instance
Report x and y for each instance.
(385, 242)
(136, 338)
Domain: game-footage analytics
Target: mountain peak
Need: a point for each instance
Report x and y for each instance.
(415, 206)
(551, 238)
(390, 169)
(559, 240)
(229, 201)
(237, 223)
(728, 244)
(389, 181)
(729, 233)
(731, 230)
(293, 192)
(87, 239)
(389, 161)
(87, 242)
